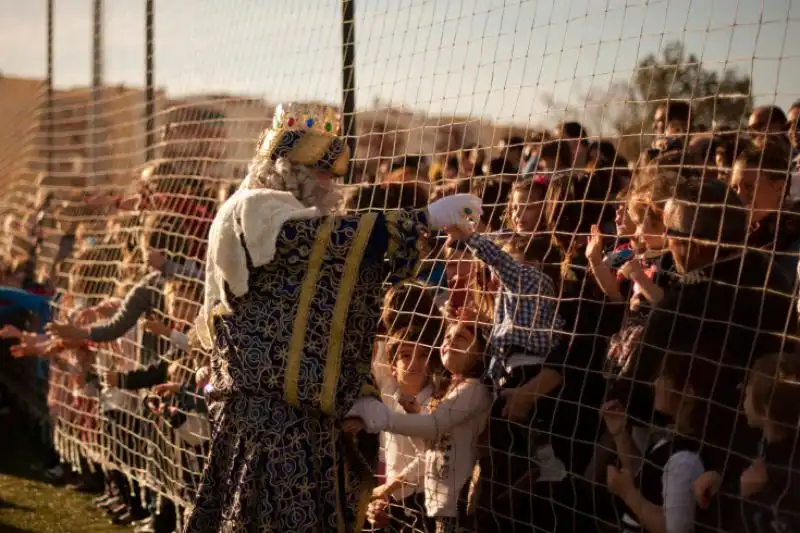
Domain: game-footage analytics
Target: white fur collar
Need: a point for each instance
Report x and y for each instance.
(254, 216)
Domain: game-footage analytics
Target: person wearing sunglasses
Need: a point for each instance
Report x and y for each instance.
(725, 295)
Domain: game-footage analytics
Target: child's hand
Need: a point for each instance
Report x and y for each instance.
(378, 514)
(619, 482)
(706, 487)
(202, 377)
(353, 426)
(112, 379)
(630, 269)
(84, 317)
(156, 259)
(69, 344)
(107, 308)
(10, 332)
(66, 331)
(25, 349)
(156, 327)
(409, 403)
(594, 248)
(753, 479)
(166, 389)
(518, 404)
(460, 232)
(614, 416)
(381, 492)
(153, 403)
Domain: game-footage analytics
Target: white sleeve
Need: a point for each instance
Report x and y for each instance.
(373, 412)
(413, 471)
(471, 399)
(680, 473)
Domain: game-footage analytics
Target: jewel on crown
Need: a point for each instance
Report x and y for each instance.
(318, 118)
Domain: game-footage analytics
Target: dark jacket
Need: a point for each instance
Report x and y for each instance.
(777, 237)
(738, 308)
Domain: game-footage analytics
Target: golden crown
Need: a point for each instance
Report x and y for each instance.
(306, 135)
(324, 119)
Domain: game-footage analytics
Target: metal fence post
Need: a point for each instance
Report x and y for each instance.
(48, 117)
(150, 93)
(97, 94)
(349, 79)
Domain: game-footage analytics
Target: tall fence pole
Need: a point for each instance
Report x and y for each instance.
(48, 125)
(149, 90)
(97, 94)
(349, 78)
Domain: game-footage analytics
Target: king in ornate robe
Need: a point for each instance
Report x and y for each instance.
(290, 358)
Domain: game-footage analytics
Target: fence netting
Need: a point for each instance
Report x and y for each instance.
(617, 341)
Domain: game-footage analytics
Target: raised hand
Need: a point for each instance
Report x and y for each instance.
(594, 248)
(754, 478)
(614, 416)
(631, 268)
(409, 403)
(157, 327)
(459, 232)
(66, 331)
(87, 316)
(619, 481)
(706, 487)
(378, 513)
(353, 426)
(10, 332)
(166, 390)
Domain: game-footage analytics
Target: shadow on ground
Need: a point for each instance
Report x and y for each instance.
(28, 504)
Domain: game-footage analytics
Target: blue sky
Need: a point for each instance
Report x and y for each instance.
(493, 58)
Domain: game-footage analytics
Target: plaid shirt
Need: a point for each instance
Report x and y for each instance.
(525, 307)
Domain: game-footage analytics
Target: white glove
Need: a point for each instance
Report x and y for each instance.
(454, 210)
(373, 412)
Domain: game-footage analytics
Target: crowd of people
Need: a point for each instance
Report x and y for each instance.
(610, 346)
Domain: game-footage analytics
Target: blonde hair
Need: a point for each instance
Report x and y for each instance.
(652, 187)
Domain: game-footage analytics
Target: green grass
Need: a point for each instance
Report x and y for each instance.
(30, 505)
(36, 507)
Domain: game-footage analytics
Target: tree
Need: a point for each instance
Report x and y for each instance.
(719, 99)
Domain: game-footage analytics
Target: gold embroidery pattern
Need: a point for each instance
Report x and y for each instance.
(351, 266)
(392, 218)
(294, 460)
(300, 325)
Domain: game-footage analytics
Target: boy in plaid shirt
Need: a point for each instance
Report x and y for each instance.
(525, 306)
(524, 334)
